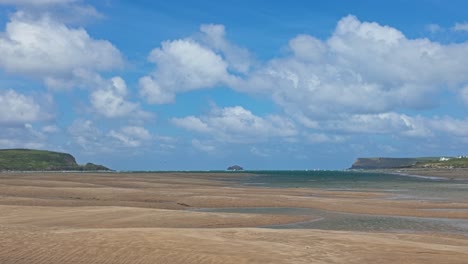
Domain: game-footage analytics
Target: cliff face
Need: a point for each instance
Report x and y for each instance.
(41, 160)
(384, 163)
(424, 162)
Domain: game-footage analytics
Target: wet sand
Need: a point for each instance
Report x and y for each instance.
(451, 174)
(150, 218)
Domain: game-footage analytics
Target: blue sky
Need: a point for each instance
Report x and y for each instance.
(199, 85)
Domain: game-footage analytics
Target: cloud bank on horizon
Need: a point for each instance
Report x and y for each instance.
(200, 99)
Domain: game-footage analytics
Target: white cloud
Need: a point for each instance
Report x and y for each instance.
(66, 11)
(387, 148)
(36, 2)
(214, 36)
(449, 125)
(50, 50)
(308, 48)
(434, 28)
(50, 129)
(192, 123)
(392, 124)
(166, 143)
(460, 26)
(384, 123)
(94, 140)
(195, 65)
(260, 152)
(203, 146)
(16, 108)
(182, 65)
(8, 143)
(22, 136)
(363, 69)
(464, 95)
(86, 135)
(154, 93)
(324, 138)
(187, 64)
(236, 124)
(109, 100)
(131, 136)
(357, 80)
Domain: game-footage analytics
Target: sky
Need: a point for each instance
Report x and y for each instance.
(202, 85)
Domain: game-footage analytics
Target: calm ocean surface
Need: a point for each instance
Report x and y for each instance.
(400, 187)
(397, 187)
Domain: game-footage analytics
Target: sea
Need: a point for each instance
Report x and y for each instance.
(398, 187)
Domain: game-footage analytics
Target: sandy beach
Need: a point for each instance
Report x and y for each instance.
(154, 218)
(444, 173)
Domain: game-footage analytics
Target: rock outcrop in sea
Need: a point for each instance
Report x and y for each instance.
(235, 168)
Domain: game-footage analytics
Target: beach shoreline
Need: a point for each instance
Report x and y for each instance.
(152, 218)
(457, 174)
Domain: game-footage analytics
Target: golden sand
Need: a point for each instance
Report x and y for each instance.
(147, 218)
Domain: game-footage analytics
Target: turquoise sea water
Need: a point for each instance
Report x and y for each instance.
(400, 187)
(397, 187)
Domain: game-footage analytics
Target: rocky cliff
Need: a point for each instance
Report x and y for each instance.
(387, 163)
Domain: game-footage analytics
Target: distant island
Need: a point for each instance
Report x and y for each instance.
(422, 162)
(42, 160)
(235, 168)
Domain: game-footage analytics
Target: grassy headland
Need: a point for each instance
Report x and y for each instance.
(420, 162)
(42, 160)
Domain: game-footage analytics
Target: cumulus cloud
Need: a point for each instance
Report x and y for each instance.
(434, 28)
(90, 138)
(308, 48)
(85, 134)
(364, 72)
(50, 129)
(384, 123)
(396, 124)
(214, 36)
(203, 145)
(154, 93)
(22, 136)
(131, 136)
(183, 65)
(237, 124)
(260, 152)
(66, 11)
(449, 125)
(317, 138)
(19, 114)
(464, 95)
(359, 79)
(36, 2)
(109, 100)
(192, 123)
(17, 108)
(460, 26)
(351, 83)
(50, 50)
(8, 143)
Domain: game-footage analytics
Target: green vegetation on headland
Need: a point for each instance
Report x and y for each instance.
(42, 160)
(456, 162)
(424, 162)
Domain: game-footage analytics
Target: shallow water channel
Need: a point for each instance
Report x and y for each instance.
(394, 186)
(328, 220)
